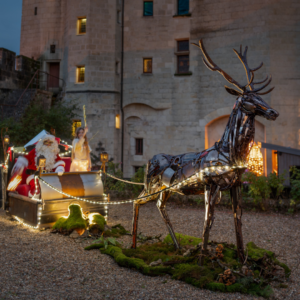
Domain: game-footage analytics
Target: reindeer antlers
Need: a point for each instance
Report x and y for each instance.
(243, 59)
(213, 67)
(249, 72)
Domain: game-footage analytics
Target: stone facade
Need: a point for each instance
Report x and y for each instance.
(173, 114)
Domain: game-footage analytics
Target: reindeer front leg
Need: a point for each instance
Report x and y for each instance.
(136, 208)
(161, 204)
(236, 200)
(210, 197)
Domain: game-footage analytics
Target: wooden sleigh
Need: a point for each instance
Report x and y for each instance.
(54, 205)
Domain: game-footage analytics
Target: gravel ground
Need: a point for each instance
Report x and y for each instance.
(40, 265)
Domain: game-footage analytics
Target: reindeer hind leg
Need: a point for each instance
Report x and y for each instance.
(161, 205)
(210, 197)
(236, 199)
(136, 209)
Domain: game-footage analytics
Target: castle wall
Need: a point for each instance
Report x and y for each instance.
(169, 112)
(16, 72)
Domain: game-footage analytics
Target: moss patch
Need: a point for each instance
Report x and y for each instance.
(98, 223)
(187, 269)
(116, 231)
(258, 254)
(183, 240)
(74, 220)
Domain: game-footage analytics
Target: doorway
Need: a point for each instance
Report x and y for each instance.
(53, 79)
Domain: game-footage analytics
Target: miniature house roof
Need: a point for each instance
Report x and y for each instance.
(36, 138)
(281, 148)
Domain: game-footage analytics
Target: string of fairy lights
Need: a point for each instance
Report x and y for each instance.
(176, 185)
(188, 180)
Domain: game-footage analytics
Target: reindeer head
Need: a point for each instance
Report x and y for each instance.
(248, 96)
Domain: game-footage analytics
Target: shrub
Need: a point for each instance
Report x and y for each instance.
(276, 184)
(259, 188)
(36, 118)
(295, 187)
(116, 185)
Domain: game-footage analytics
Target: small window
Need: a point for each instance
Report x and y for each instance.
(183, 45)
(183, 7)
(183, 62)
(35, 11)
(119, 16)
(52, 48)
(138, 146)
(81, 25)
(118, 123)
(183, 57)
(136, 168)
(147, 65)
(80, 74)
(117, 68)
(148, 8)
(75, 125)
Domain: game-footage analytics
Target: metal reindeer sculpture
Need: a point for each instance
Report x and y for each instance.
(216, 169)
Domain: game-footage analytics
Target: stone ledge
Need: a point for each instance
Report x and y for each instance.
(182, 16)
(183, 74)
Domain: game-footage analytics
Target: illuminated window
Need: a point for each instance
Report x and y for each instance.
(75, 125)
(81, 25)
(148, 8)
(138, 146)
(183, 57)
(147, 65)
(183, 7)
(80, 74)
(118, 125)
(274, 161)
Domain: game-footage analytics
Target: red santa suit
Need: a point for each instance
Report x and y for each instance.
(29, 161)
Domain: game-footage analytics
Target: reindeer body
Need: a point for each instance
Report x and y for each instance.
(213, 170)
(216, 165)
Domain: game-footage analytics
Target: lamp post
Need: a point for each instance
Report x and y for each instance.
(104, 159)
(5, 145)
(5, 142)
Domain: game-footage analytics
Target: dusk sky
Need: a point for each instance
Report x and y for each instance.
(10, 24)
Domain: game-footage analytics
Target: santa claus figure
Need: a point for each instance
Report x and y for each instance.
(48, 147)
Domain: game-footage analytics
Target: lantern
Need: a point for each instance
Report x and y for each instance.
(6, 139)
(41, 163)
(104, 159)
(255, 160)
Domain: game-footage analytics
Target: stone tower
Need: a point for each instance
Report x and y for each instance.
(73, 36)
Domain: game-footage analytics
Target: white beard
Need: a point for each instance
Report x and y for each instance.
(49, 153)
